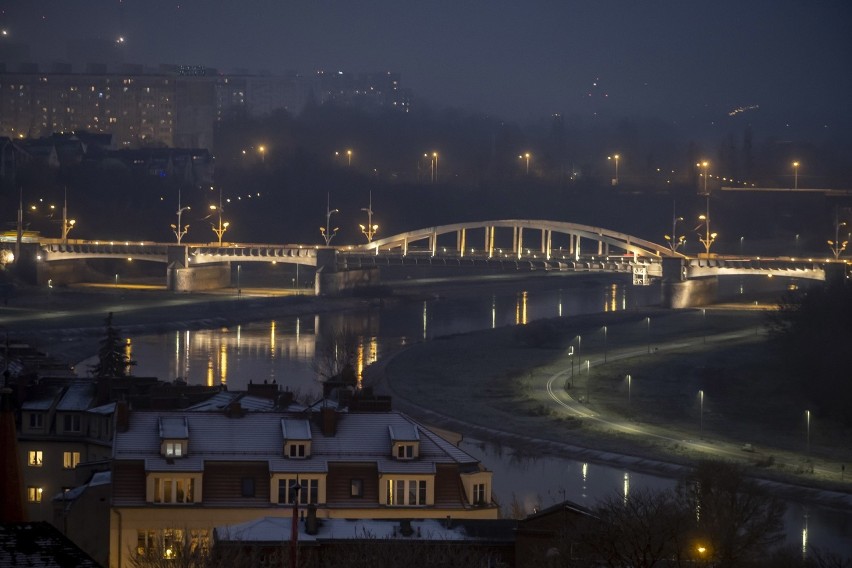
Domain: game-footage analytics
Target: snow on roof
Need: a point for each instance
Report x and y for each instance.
(42, 400)
(404, 433)
(295, 429)
(277, 529)
(173, 427)
(359, 437)
(79, 396)
(104, 409)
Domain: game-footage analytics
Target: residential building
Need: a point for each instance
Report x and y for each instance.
(178, 474)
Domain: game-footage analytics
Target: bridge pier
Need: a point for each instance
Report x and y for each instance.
(679, 292)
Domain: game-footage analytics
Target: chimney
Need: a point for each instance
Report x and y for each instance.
(122, 416)
(311, 523)
(235, 410)
(328, 421)
(405, 527)
(285, 399)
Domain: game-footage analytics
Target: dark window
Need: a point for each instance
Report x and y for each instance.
(248, 487)
(356, 487)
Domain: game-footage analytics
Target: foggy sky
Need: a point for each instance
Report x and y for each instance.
(672, 59)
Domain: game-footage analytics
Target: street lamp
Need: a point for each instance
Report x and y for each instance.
(605, 337)
(262, 150)
(222, 227)
(629, 385)
(648, 329)
(348, 158)
(808, 430)
(836, 245)
(370, 229)
(327, 232)
(526, 156)
(701, 412)
(67, 224)
(177, 229)
(615, 159)
(795, 175)
(674, 241)
(434, 167)
(704, 165)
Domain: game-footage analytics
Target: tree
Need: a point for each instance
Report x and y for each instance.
(335, 353)
(735, 520)
(113, 357)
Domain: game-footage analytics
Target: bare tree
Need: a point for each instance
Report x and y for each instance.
(335, 356)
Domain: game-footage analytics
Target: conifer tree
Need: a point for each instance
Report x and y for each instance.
(113, 360)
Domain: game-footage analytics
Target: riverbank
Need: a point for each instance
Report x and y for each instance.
(693, 393)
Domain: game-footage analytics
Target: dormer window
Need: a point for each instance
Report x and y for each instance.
(174, 436)
(297, 438)
(405, 441)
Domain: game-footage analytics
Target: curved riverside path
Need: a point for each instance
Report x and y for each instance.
(610, 438)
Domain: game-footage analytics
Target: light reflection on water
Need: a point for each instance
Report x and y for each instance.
(284, 350)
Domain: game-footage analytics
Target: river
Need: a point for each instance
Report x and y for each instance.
(283, 351)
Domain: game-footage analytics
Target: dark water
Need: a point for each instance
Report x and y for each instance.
(283, 351)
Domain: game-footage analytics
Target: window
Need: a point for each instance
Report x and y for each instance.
(174, 449)
(406, 492)
(70, 459)
(356, 487)
(34, 494)
(34, 458)
(247, 486)
(308, 491)
(479, 494)
(405, 451)
(71, 423)
(174, 490)
(297, 450)
(36, 420)
(168, 543)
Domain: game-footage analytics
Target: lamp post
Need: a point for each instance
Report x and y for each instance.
(808, 431)
(370, 229)
(571, 356)
(434, 167)
(222, 227)
(704, 165)
(605, 338)
(836, 245)
(674, 241)
(615, 159)
(348, 158)
(795, 175)
(262, 150)
(67, 224)
(527, 156)
(579, 352)
(177, 229)
(588, 380)
(327, 232)
(629, 385)
(701, 412)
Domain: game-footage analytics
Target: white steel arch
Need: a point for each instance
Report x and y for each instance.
(604, 237)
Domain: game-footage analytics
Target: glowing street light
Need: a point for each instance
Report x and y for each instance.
(808, 430)
(704, 165)
(222, 227)
(605, 338)
(836, 245)
(67, 224)
(615, 159)
(177, 229)
(262, 150)
(701, 412)
(795, 175)
(673, 240)
(526, 156)
(348, 158)
(327, 232)
(370, 229)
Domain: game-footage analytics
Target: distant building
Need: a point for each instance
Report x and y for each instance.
(177, 475)
(170, 105)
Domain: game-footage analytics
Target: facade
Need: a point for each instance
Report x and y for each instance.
(60, 429)
(177, 475)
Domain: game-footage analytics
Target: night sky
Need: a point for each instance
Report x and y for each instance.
(673, 59)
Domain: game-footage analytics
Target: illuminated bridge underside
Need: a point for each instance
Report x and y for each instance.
(700, 268)
(606, 239)
(158, 252)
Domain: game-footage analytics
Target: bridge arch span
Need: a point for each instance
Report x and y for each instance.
(576, 233)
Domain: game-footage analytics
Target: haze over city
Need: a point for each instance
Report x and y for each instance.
(691, 62)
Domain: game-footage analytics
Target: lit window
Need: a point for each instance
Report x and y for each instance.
(174, 490)
(34, 458)
(70, 459)
(34, 494)
(174, 449)
(406, 492)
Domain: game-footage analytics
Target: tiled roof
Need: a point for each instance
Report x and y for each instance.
(79, 396)
(360, 437)
(296, 429)
(404, 433)
(104, 409)
(173, 428)
(39, 545)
